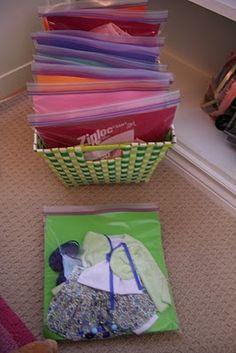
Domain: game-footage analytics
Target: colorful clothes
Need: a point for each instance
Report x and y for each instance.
(80, 312)
(96, 247)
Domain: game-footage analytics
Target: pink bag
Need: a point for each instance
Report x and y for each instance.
(149, 119)
(67, 102)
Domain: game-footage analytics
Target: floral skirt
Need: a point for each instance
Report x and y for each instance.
(80, 312)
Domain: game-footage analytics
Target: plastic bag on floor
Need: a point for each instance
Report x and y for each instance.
(114, 279)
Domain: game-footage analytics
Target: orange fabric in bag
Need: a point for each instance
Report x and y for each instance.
(63, 79)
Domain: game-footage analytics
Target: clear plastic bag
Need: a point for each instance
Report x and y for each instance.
(98, 86)
(105, 273)
(154, 17)
(114, 38)
(149, 120)
(95, 73)
(86, 4)
(135, 23)
(49, 103)
(48, 54)
(47, 59)
(142, 53)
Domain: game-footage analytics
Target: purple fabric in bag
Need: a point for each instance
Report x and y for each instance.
(97, 59)
(98, 72)
(148, 54)
(128, 39)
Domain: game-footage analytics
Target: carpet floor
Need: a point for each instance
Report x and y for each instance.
(198, 236)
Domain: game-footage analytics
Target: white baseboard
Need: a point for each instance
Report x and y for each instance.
(15, 80)
(201, 173)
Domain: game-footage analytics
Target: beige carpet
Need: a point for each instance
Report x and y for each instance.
(199, 241)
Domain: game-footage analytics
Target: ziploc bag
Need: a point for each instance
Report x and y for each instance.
(45, 59)
(47, 54)
(86, 4)
(66, 102)
(95, 87)
(54, 72)
(113, 34)
(135, 23)
(110, 61)
(148, 119)
(123, 5)
(136, 52)
(105, 273)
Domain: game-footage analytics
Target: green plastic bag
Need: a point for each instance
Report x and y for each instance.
(141, 222)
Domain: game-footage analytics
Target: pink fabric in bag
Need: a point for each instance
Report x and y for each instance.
(67, 102)
(110, 29)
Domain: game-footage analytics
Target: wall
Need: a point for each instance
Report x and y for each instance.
(197, 35)
(18, 18)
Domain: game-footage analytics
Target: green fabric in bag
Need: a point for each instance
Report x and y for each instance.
(141, 225)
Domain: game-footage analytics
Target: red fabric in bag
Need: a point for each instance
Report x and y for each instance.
(148, 127)
(88, 24)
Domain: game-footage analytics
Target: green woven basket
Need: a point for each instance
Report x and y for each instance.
(137, 163)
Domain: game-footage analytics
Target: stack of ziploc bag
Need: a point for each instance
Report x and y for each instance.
(98, 79)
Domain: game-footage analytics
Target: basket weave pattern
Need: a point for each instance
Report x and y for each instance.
(136, 164)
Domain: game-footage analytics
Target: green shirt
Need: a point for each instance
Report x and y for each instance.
(96, 246)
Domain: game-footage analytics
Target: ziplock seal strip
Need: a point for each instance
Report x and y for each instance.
(122, 207)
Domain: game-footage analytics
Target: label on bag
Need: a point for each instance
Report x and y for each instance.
(110, 135)
(147, 126)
